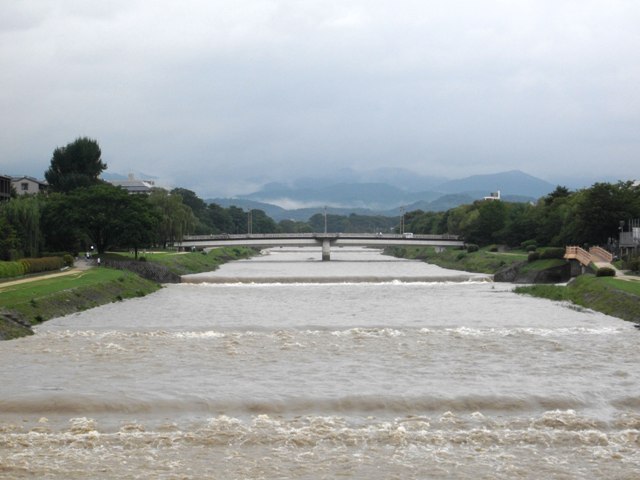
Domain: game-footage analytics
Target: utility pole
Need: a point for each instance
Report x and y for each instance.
(249, 223)
(325, 220)
(401, 220)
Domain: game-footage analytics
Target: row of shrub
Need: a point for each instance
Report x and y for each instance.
(605, 272)
(33, 265)
(632, 263)
(546, 254)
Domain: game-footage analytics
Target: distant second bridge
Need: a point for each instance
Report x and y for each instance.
(325, 240)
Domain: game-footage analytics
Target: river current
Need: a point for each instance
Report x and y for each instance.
(284, 366)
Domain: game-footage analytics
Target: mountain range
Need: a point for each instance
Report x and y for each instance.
(384, 192)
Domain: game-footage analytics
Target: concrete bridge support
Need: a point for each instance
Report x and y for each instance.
(326, 249)
(577, 268)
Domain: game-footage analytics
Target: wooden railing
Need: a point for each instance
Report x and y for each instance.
(577, 253)
(585, 258)
(601, 254)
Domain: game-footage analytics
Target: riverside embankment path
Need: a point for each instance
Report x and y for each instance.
(78, 267)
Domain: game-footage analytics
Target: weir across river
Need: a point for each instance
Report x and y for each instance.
(326, 240)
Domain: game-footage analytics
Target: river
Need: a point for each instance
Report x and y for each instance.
(284, 366)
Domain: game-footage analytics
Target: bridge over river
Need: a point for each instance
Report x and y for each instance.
(326, 240)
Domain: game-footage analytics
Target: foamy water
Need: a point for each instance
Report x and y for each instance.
(454, 378)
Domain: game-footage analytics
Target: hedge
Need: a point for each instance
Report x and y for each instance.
(605, 272)
(11, 269)
(31, 265)
(44, 264)
(554, 252)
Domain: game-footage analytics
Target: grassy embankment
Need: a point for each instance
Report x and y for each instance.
(482, 261)
(612, 296)
(25, 304)
(192, 262)
(33, 302)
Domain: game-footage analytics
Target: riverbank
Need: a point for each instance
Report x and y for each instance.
(26, 302)
(186, 263)
(23, 305)
(481, 261)
(611, 296)
(615, 297)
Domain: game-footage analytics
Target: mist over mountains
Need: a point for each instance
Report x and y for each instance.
(384, 192)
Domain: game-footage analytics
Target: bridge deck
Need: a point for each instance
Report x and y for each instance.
(310, 239)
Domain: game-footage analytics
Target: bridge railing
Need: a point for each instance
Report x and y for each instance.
(241, 236)
(225, 236)
(577, 253)
(601, 253)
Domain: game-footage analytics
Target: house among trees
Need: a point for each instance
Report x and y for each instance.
(629, 237)
(5, 188)
(134, 186)
(493, 196)
(28, 185)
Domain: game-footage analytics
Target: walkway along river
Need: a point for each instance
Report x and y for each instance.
(380, 368)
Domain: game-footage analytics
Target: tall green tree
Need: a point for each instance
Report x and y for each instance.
(203, 224)
(220, 219)
(24, 214)
(103, 215)
(239, 220)
(291, 226)
(176, 218)
(262, 223)
(60, 233)
(600, 209)
(8, 239)
(78, 164)
(139, 222)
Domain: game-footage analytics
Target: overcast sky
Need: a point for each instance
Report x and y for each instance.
(219, 96)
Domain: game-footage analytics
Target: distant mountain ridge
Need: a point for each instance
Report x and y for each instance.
(304, 198)
(513, 182)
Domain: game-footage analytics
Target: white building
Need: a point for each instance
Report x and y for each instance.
(28, 185)
(134, 186)
(493, 196)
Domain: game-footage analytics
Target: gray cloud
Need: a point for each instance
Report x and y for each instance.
(220, 96)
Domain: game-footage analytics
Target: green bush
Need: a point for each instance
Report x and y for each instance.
(472, 247)
(632, 264)
(606, 272)
(526, 245)
(554, 252)
(461, 255)
(493, 248)
(533, 256)
(45, 264)
(532, 248)
(11, 269)
(68, 260)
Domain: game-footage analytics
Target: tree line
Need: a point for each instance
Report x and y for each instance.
(81, 210)
(590, 216)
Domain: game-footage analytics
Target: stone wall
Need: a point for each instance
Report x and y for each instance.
(150, 271)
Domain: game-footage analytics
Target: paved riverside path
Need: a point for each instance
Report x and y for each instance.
(78, 267)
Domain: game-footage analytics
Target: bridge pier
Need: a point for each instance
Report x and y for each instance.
(326, 249)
